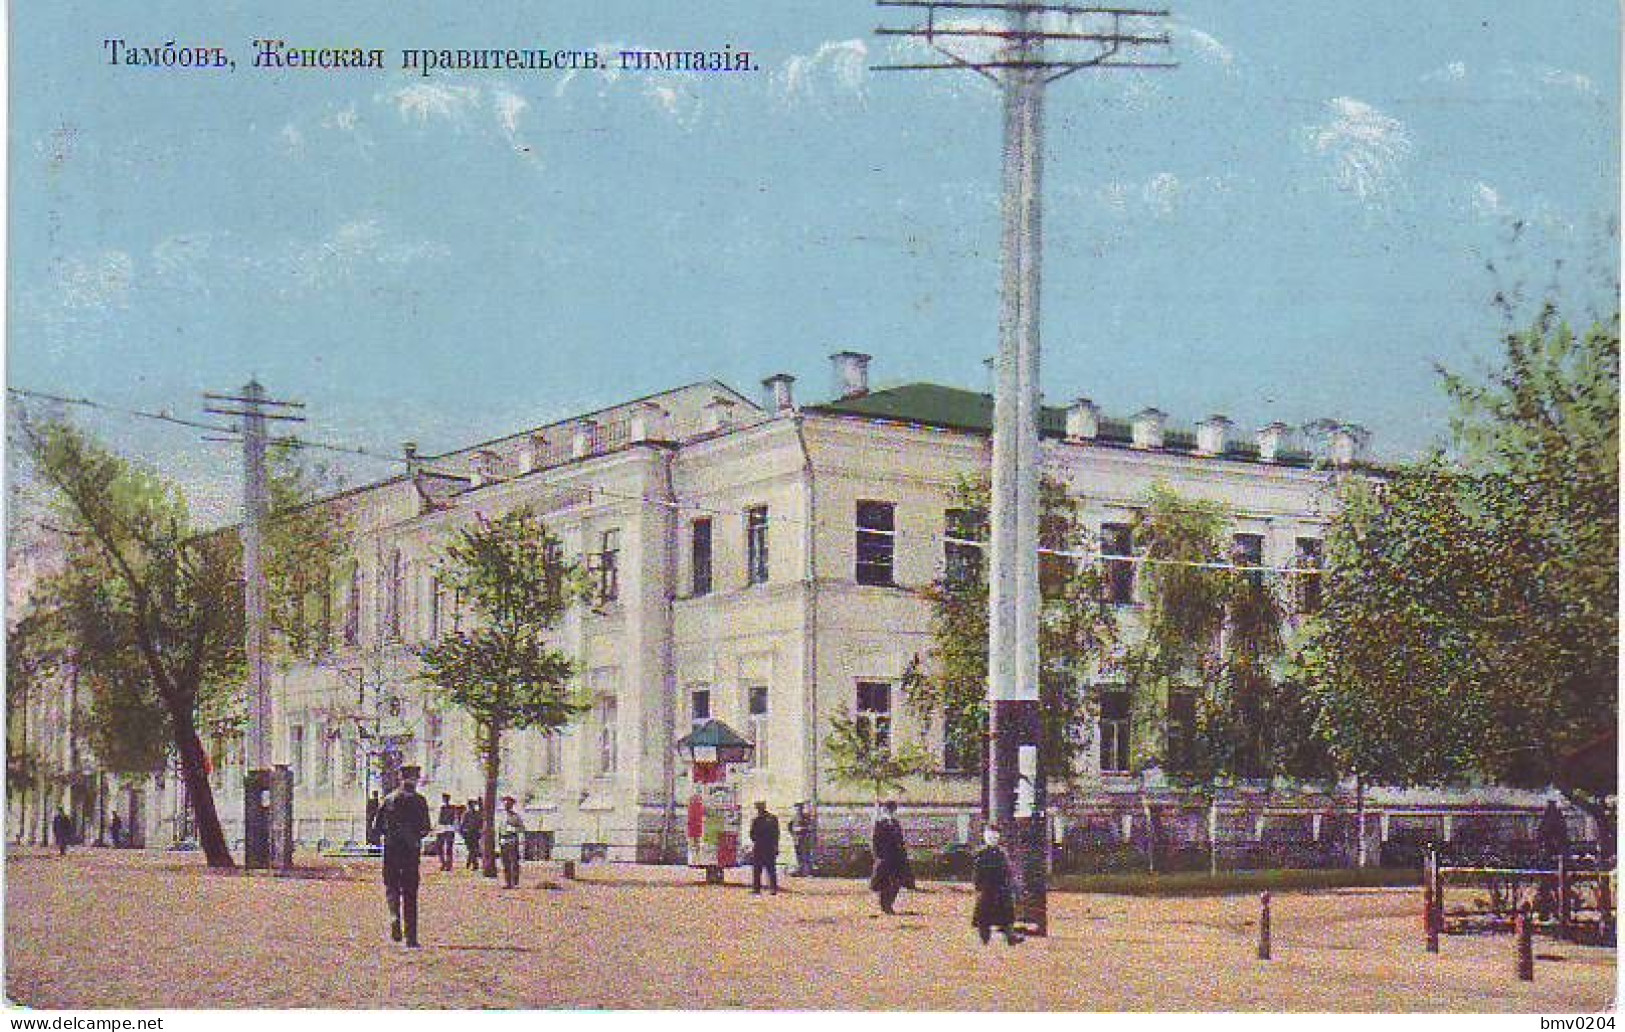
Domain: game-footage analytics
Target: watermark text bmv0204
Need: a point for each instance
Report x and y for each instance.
(1580, 1024)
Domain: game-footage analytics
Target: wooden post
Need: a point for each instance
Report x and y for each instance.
(569, 870)
(1605, 907)
(1264, 926)
(1521, 926)
(1565, 915)
(1430, 901)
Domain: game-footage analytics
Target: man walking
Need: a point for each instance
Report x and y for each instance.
(764, 850)
(403, 820)
(62, 830)
(446, 831)
(891, 872)
(510, 834)
(470, 826)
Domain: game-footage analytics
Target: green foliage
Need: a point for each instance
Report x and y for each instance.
(1470, 627)
(142, 597)
(1076, 626)
(859, 757)
(304, 543)
(501, 671)
(1214, 638)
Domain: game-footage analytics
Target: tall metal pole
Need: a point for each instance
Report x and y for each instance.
(1022, 69)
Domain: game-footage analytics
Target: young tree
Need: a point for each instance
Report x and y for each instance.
(172, 595)
(512, 575)
(1470, 625)
(861, 756)
(1208, 668)
(1076, 626)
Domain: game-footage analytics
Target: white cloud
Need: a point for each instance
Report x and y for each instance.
(1568, 80)
(102, 281)
(676, 100)
(1455, 71)
(509, 106)
(292, 138)
(1207, 46)
(424, 101)
(841, 66)
(341, 121)
(1365, 147)
(1487, 200)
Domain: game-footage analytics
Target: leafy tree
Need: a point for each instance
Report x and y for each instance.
(502, 672)
(173, 596)
(1076, 627)
(1470, 625)
(1208, 668)
(860, 757)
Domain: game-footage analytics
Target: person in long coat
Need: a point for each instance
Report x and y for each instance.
(62, 829)
(402, 822)
(995, 903)
(891, 872)
(764, 850)
(472, 824)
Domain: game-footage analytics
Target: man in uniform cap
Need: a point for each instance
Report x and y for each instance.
(403, 820)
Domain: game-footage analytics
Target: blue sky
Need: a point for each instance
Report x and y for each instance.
(1295, 223)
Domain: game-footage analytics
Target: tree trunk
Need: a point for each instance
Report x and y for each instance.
(194, 774)
(488, 831)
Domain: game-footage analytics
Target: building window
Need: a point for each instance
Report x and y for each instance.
(1248, 550)
(353, 753)
(1114, 732)
(352, 606)
(756, 708)
(324, 757)
(874, 712)
(964, 535)
(433, 745)
(1117, 551)
(877, 543)
(392, 597)
(699, 705)
(434, 608)
(700, 556)
(550, 755)
(756, 545)
(606, 735)
(1308, 585)
(608, 565)
(1181, 729)
(296, 752)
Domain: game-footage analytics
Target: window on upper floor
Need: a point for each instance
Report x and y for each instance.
(608, 730)
(756, 545)
(352, 604)
(700, 556)
(964, 533)
(1307, 586)
(607, 566)
(876, 543)
(1117, 552)
(296, 752)
(1247, 550)
(391, 581)
(699, 704)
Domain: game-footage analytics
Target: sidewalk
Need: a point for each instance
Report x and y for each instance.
(146, 929)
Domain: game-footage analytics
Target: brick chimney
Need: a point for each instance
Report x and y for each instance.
(851, 373)
(1272, 441)
(1147, 428)
(1082, 420)
(779, 396)
(1212, 435)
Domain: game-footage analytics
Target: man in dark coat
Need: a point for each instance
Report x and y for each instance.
(995, 904)
(115, 831)
(472, 824)
(446, 831)
(62, 831)
(891, 872)
(764, 850)
(403, 820)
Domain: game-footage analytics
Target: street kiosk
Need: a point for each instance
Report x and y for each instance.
(713, 806)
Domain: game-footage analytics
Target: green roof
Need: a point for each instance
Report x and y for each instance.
(930, 404)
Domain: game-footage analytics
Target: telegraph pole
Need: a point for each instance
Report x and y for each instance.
(260, 847)
(1020, 64)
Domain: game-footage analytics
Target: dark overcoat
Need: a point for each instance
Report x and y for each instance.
(891, 857)
(995, 907)
(764, 838)
(403, 820)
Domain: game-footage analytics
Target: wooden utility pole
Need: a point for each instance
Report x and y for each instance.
(1031, 45)
(260, 847)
